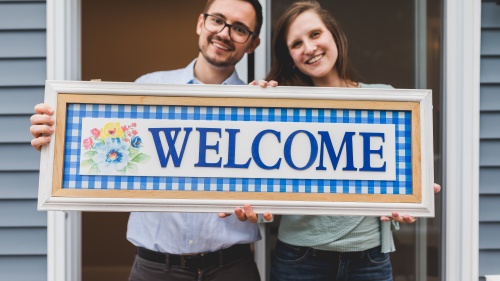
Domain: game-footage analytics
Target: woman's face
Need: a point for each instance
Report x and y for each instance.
(312, 47)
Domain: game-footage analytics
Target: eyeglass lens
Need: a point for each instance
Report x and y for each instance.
(237, 33)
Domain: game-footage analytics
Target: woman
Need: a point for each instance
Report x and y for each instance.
(310, 49)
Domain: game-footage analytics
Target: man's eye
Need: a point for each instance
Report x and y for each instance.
(217, 21)
(240, 30)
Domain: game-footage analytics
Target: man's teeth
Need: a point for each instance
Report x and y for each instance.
(221, 47)
(315, 59)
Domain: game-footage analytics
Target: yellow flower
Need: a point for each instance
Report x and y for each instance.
(112, 130)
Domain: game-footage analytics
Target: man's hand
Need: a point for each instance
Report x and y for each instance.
(264, 83)
(41, 125)
(247, 213)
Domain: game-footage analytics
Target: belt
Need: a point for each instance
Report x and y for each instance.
(197, 261)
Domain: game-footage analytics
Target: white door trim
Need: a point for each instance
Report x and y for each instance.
(462, 37)
(461, 136)
(63, 63)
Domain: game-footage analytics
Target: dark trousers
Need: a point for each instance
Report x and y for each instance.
(241, 269)
(296, 263)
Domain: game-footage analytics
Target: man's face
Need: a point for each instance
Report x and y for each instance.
(218, 49)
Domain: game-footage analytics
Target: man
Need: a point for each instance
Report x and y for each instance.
(194, 246)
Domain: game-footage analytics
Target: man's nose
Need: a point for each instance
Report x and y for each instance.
(224, 33)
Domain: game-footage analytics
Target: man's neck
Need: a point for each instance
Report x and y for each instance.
(207, 73)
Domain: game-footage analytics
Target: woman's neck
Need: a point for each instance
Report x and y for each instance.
(333, 80)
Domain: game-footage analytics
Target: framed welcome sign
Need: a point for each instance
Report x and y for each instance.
(211, 148)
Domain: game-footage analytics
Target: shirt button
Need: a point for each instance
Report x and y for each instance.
(191, 242)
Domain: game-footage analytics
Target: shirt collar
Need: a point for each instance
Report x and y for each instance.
(188, 77)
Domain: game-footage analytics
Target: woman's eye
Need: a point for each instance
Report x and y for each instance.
(316, 34)
(296, 45)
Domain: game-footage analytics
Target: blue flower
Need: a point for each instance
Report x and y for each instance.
(136, 141)
(111, 156)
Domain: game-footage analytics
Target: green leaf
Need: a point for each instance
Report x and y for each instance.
(133, 152)
(141, 157)
(90, 154)
(87, 163)
(94, 170)
(132, 168)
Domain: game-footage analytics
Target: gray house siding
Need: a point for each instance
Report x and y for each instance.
(23, 230)
(489, 171)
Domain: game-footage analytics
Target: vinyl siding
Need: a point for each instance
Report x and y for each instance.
(489, 172)
(23, 230)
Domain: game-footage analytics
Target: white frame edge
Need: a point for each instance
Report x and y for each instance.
(462, 39)
(423, 97)
(63, 62)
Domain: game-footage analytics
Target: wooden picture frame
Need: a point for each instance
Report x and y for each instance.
(287, 150)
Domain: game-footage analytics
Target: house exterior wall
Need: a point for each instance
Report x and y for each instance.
(489, 173)
(23, 230)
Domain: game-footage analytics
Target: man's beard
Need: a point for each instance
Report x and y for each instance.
(226, 63)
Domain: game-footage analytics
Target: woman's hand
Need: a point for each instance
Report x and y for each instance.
(406, 218)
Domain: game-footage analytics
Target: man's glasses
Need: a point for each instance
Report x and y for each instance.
(237, 32)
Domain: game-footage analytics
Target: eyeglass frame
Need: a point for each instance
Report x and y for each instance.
(251, 33)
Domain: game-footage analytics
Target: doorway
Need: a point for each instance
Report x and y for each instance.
(122, 40)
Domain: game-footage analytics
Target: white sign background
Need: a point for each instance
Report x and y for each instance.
(270, 149)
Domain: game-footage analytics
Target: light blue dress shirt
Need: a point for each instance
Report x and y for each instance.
(186, 233)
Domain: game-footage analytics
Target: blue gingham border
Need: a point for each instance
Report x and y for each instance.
(401, 120)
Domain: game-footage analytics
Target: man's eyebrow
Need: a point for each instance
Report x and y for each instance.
(233, 23)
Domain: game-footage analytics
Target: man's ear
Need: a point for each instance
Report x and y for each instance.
(253, 45)
(199, 25)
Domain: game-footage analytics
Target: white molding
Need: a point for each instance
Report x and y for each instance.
(63, 62)
(419, 104)
(462, 31)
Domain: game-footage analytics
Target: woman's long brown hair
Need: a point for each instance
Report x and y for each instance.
(282, 69)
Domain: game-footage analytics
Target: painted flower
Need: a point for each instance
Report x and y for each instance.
(136, 141)
(112, 156)
(88, 142)
(112, 130)
(95, 132)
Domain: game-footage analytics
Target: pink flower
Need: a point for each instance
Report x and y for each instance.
(134, 124)
(87, 143)
(125, 127)
(95, 132)
(134, 132)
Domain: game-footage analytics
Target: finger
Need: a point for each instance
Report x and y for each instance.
(41, 119)
(37, 143)
(385, 218)
(253, 83)
(263, 83)
(396, 217)
(273, 83)
(41, 130)
(251, 216)
(437, 188)
(43, 108)
(224, 215)
(409, 219)
(240, 214)
(267, 216)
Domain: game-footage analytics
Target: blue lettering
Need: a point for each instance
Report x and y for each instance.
(231, 154)
(176, 157)
(367, 151)
(326, 141)
(202, 161)
(255, 150)
(288, 149)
